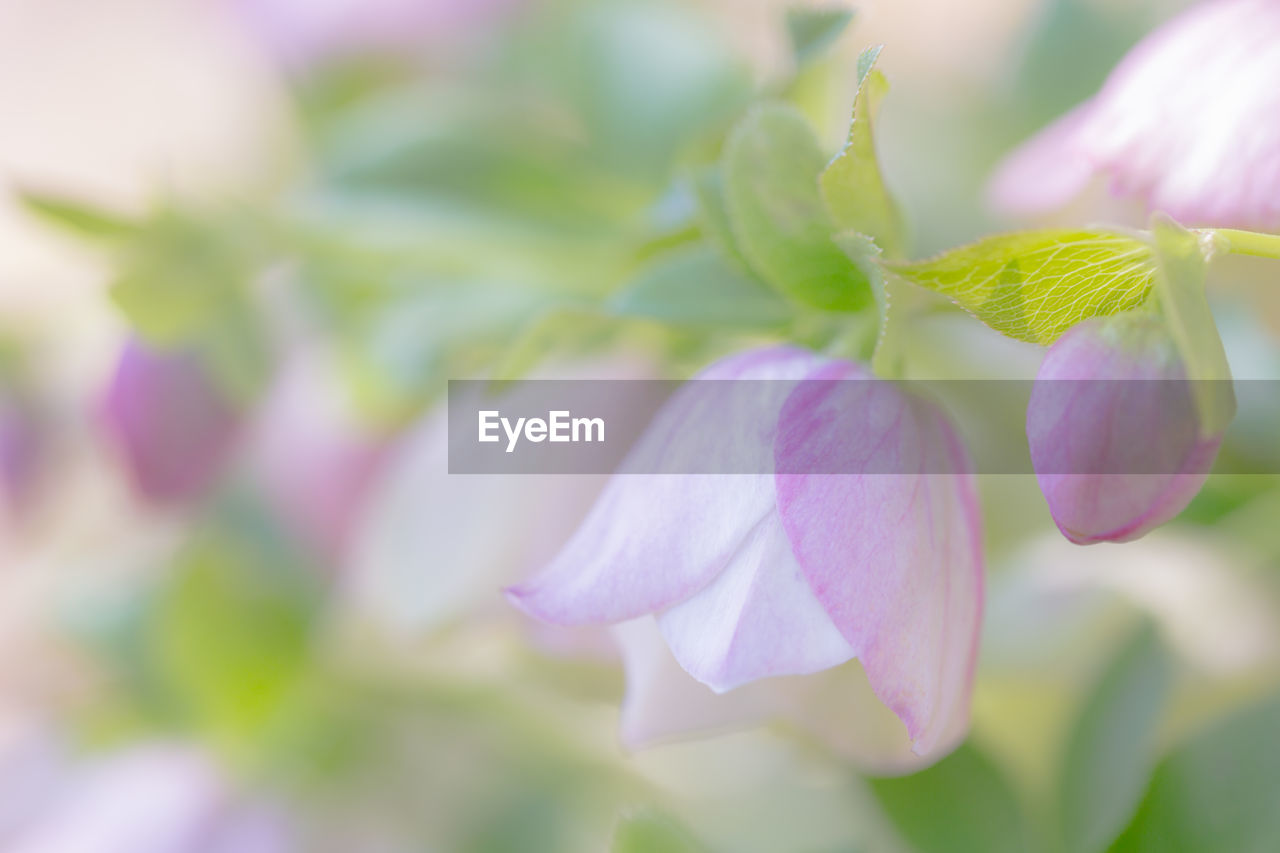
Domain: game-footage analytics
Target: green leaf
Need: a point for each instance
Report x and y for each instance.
(1217, 792)
(78, 218)
(771, 168)
(962, 804)
(713, 214)
(1111, 750)
(1034, 285)
(852, 185)
(232, 627)
(184, 282)
(814, 30)
(650, 832)
(697, 287)
(1180, 288)
(884, 349)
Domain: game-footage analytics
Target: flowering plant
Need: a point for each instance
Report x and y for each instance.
(817, 529)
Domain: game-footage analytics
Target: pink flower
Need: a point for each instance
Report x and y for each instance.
(1114, 433)
(788, 573)
(1189, 122)
(304, 32)
(311, 454)
(156, 798)
(172, 425)
(23, 454)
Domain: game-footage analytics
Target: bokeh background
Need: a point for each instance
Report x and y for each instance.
(243, 608)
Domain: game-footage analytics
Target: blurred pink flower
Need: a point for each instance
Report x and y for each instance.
(149, 799)
(23, 452)
(1114, 432)
(424, 554)
(758, 575)
(304, 32)
(312, 455)
(172, 426)
(1189, 121)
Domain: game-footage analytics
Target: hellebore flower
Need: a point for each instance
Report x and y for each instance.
(305, 32)
(1114, 433)
(311, 455)
(156, 798)
(1189, 121)
(171, 424)
(785, 571)
(23, 451)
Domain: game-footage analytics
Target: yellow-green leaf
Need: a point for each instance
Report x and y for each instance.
(1180, 289)
(1034, 285)
(852, 185)
(780, 223)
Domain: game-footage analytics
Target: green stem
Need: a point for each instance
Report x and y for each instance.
(1247, 242)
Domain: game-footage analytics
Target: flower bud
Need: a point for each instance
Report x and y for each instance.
(1114, 431)
(171, 424)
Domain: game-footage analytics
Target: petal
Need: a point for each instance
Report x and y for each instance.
(891, 545)
(663, 702)
(837, 706)
(1219, 162)
(655, 539)
(759, 618)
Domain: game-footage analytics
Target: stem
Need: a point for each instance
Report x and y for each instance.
(1247, 242)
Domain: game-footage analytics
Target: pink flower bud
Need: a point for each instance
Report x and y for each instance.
(172, 426)
(312, 455)
(1114, 432)
(1189, 122)
(792, 572)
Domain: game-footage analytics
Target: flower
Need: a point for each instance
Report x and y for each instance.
(1113, 429)
(306, 32)
(171, 424)
(1189, 121)
(311, 455)
(23, 453)
(160, 797)
(787, 571)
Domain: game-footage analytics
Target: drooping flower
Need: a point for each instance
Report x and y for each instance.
(1189, 122)
(856, 537)
(171, 424)
(1113, 428)
(311, 455)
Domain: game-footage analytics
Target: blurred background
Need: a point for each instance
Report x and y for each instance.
(243, 608)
